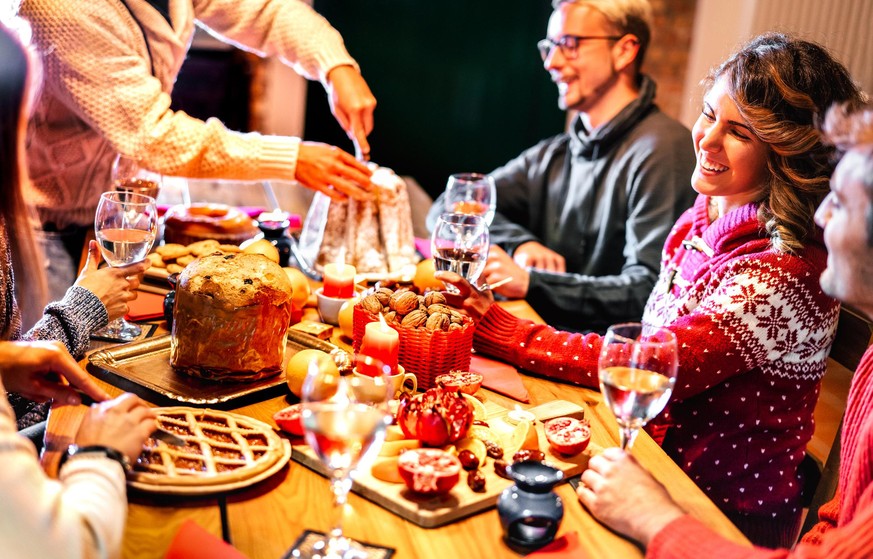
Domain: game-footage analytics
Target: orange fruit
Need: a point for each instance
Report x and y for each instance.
(424, 279)
(261, 246)
(300, 285)
(299, 364)
(346, 318)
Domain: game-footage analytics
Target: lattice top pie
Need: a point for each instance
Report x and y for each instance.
(220, 448)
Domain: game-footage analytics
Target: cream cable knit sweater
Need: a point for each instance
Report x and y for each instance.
(100, 97)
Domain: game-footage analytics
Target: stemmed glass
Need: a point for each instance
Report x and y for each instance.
(125, 225)
(471, 193)
(637, 367)
(130, 176)
(460, 244)
(344, 420)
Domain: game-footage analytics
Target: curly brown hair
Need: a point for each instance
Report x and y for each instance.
(782, 87)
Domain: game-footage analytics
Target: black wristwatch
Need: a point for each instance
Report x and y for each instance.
(106, 451)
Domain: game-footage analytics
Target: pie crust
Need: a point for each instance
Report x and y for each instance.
(222, 449)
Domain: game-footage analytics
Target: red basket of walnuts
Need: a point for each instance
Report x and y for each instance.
(434, 338)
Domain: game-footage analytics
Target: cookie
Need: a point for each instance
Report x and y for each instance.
(172, 251)
(201, 248)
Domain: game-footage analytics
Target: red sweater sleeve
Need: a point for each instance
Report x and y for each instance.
(688, 537)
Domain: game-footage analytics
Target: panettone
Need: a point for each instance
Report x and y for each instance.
(231, 318)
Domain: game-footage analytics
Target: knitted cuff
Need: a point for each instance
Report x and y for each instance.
(493, 331)
(278, 157)
(86, 308)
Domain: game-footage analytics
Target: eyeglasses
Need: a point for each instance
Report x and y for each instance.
(569, 44)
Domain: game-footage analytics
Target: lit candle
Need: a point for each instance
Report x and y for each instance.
(339, 281)
(381, 342)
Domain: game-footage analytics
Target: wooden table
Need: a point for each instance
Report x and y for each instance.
(264, 520)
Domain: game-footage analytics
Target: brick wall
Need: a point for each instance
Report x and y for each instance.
(667, 58)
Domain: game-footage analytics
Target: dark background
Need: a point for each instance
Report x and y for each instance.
(459, 83)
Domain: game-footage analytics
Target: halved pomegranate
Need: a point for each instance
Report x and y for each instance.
(429, 471)
(465, 381)
(290, 419)
(436, 417)
(568, 435)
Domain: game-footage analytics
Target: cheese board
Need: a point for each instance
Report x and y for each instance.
(461, 501)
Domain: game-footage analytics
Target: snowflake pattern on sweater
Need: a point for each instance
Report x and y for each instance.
(754, 330)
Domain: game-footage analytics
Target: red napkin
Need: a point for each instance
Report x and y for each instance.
(423, 247)
(500, 377)
(193, 542)
(565, 546)
(146, 306)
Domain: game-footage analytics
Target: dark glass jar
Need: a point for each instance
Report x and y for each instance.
(275, 225)
(170, 299)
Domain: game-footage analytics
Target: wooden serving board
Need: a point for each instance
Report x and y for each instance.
(461, 501)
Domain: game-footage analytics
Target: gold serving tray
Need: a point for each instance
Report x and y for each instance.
(144, 369)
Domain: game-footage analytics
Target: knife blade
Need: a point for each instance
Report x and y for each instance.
(159, 434)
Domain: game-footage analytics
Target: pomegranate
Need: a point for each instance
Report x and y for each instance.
(429, 471)
(465, 381)
(436, 417)
(568, 435)
(290, 420)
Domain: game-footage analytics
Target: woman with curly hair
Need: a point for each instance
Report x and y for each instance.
(738, 286)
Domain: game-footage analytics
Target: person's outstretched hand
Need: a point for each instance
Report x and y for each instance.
(469, 299)
(352, 104)
(536, 255)
(35, 370)
(334, 172)
(123, 424)
(115, 287)
(625, 497)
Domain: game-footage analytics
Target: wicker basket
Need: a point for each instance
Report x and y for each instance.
(422, 352)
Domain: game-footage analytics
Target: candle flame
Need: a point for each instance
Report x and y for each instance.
(384, 324)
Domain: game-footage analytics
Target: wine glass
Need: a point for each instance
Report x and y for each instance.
(125, 225)
(344, 420)
(129, 175)
(471, 193)
(459, 244)
(637, 367)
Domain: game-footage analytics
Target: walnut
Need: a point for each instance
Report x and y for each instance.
(453, 326)
(371, 304)
(438, 321)
(439, 308)
(434, 297)
(383, 295)
(404, 302)
(390, 317)
(414, 319)
(457, 318)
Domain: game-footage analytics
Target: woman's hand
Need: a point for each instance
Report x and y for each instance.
(500, 266)
(123, 424)
(115, 287)
(36, 371)
(352, 104)
(330, 170)
(625, 497)
(472, 301)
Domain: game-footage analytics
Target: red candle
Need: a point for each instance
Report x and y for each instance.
(339, 281)
(381, 342)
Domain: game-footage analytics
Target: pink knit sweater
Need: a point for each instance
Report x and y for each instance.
(845, 528)
(106, 90)
(754, 330)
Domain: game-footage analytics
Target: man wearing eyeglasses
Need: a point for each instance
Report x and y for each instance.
(582, 217)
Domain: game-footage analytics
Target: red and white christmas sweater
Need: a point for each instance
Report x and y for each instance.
(754, 329)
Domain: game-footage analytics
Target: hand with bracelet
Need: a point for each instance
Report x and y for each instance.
(122, 425)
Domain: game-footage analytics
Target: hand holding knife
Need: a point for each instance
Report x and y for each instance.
(158, 434)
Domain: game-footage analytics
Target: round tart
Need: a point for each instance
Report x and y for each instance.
(223, 450)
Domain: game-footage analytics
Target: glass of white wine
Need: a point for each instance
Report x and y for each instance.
(460, 244)
(344, 420)
(637, 366)
(472, 194)
(125, 225)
